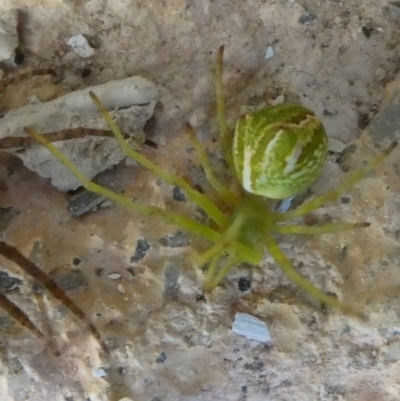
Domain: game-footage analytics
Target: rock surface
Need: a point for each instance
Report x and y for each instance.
(167, 340)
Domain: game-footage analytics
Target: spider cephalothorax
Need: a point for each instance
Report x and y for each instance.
(277, 153)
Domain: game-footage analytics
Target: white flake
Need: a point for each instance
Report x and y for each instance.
(100, 372)
(81, 46)
(269, 53)
(251, 328)
(114, 276)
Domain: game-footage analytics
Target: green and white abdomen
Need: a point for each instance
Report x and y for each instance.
(279, 151)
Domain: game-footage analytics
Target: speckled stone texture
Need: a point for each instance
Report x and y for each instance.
(133, 275)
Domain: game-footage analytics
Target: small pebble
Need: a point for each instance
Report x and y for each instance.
(244, 284)
(177, 240)
(335, 145)
(269, 53)
(367, 31)
(81, 46)
(121, 288)
(308, 18)
(76, 261)
(84, 202)
(114, 276)
(179, 194)
(161, 357)
(97, 373)
(142, 246)
(285, 205)
(278, 100)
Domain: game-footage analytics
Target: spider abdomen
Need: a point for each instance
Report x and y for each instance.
(279, 151)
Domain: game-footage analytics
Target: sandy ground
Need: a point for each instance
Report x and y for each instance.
(167, 341)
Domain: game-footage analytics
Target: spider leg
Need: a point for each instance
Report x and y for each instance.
(337, 192)
(201, 200)
(222, 190)
(226, 140)
(149, 210)
(208, 255)
(237, 252)
(302, 282)
(214, 276)
(328, 228)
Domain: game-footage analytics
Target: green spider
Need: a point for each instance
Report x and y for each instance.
(275, 153)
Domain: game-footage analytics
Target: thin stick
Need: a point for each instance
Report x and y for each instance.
(14, 255)
(20, 316)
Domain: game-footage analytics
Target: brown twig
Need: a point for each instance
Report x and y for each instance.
(14, 255)
(20, 316)
(62, 135)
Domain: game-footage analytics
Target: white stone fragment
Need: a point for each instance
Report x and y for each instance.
(278, 100)
(81, 46)
(284, 205)
(335, 145)
(251, 328)
(100, 372)
(8, 34)
(114, 276)
(132, 99)
(269, 53)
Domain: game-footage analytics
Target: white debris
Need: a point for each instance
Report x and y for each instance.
(8, 34)
(251, 328)
(114, 276)
(121, 288)
(132, 99)
(81, 46)
(269, 53)
(284, 205)
(335, 145)
(100, 372)
(278, 100)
